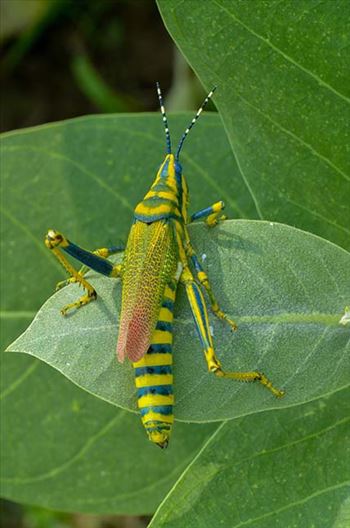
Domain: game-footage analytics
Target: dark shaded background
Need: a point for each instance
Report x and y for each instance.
(68, 58)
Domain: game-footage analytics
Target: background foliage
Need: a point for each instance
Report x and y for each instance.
(283, 100)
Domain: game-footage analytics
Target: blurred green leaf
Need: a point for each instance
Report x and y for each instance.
(19, 15)
(95, 88)
(285, 468)
(64, 449)
(38, 517)
(282, 72)
(28, 18)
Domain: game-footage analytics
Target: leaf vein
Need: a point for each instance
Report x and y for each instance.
(296, 138)
(15, 384)
(78, 455)
(282, 53)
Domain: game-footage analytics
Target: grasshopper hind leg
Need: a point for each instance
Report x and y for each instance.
(250, 376)
(101, 252)
(201, 320)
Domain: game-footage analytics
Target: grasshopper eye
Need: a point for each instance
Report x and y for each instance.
(178, 167)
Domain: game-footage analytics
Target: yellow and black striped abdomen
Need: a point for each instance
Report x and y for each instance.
(153, 375)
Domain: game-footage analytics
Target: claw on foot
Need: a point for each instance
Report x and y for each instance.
(85, 299)
(225, 317)
(63, 283)
(232, 324)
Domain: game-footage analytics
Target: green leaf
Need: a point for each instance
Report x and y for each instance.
(282, 75)
(285, 468)
(64, 449)
(287, 290)
(79, 176)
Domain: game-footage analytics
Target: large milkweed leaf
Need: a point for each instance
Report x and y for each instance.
(287, 468)
(287, 289)
(282, 75)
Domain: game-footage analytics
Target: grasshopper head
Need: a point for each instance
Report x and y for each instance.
(170, 171)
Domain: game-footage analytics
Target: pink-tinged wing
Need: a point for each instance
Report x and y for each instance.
(150, 262)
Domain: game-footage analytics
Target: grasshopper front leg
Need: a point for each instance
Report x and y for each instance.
(211, 214)
(56, 242)
(200, 316)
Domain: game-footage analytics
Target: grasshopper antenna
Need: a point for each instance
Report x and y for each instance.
(193, 122)
(165, 121)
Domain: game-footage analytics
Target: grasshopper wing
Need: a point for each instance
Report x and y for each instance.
(150, 263)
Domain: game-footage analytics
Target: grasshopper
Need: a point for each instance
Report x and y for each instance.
(158, 256)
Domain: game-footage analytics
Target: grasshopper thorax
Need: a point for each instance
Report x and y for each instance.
(168, 195)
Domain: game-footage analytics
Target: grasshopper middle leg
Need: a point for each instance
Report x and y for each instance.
(211, 214)
(203, 279)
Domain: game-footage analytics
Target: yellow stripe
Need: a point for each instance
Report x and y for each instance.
(153, 379)
(203, 325)
(155, 399)
(168, 292)
(165, 315)
(162, 194)
(161, 337)
(167, 418)
(217, 207)
(154, 360)
(160, 209)
(179, 228)
(202, 276)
